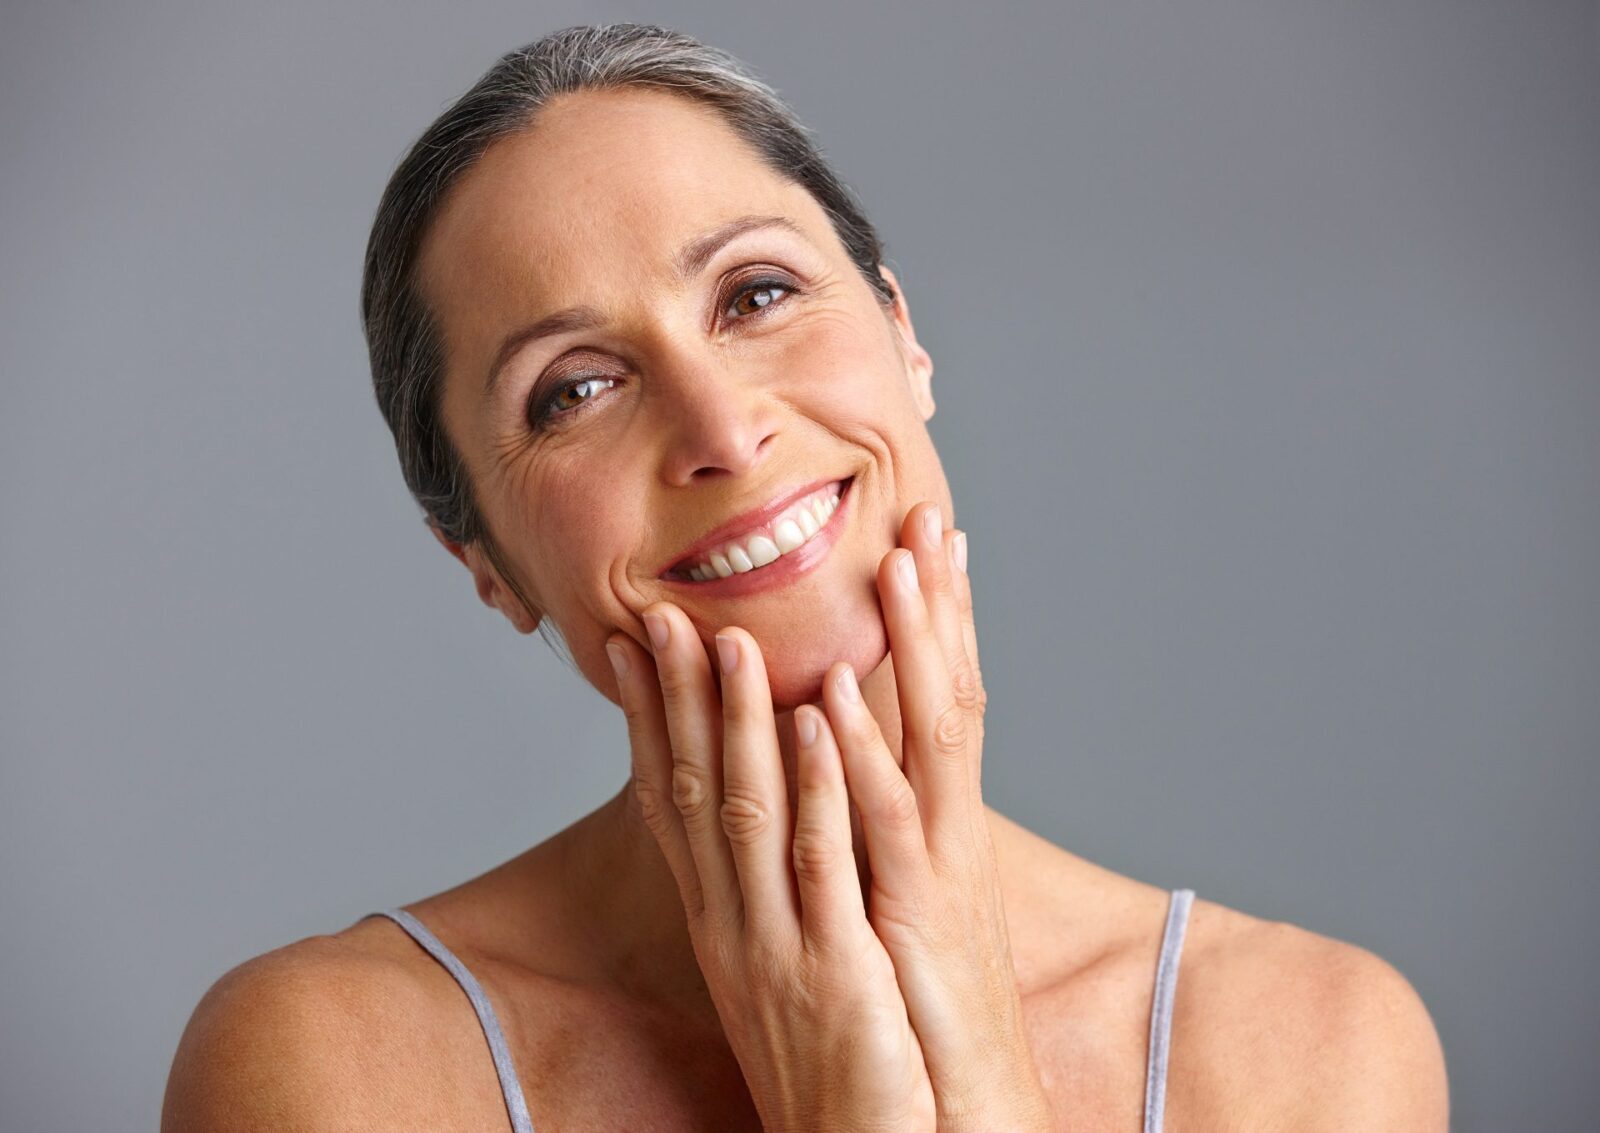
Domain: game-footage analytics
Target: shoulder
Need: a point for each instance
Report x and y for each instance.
(1277, 1025)
(328, 1033)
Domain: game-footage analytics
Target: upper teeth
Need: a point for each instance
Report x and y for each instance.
(790, 530)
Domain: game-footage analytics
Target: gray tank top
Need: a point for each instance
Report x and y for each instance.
(1155, 1086)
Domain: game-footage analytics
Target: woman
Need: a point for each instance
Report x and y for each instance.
(655, 390)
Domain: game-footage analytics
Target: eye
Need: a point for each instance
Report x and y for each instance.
(571, 397)
(758, 296)
(556, 404)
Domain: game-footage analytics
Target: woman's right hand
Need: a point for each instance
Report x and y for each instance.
(805, 991)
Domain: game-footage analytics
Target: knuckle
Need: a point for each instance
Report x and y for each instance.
(723, 926)
(950, 733)
(908, 914)
(899, 805)
(634, 714)
(862, 730)
(745, 816)
(694, 904)
(655, 809)
(768, 968)
(691, 790)
(676, 683)
(816, 856)
(964, 683)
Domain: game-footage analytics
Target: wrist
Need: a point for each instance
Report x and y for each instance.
(1019, 1105)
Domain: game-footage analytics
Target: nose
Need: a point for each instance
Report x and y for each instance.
(719, 419)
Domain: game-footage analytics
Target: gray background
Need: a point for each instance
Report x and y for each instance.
(1268, 367)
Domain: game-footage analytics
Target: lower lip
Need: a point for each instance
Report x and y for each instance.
(798, 562)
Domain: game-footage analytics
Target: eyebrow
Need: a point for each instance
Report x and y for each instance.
(689, 262)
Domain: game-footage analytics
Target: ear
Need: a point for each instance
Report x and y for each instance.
(919, 364)
(492, 589)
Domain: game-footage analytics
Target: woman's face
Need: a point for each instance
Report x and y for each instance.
(707, 348)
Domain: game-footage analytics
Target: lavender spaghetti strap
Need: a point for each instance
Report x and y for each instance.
(516, 1107)
(1155, 1082)
(1155, 1091)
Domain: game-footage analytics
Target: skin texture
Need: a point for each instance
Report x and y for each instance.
(712, 413)
(829, 384)
(937, 930)
(826, 384)
(584, 942)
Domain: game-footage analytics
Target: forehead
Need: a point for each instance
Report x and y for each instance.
(590, 201)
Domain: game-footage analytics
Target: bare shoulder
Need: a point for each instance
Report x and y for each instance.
(1281, 1027)
(334, 1032)
(1273, 1026)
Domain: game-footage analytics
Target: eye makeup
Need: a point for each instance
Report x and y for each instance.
(779, 287)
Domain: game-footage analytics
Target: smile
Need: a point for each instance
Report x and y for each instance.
(785, 544)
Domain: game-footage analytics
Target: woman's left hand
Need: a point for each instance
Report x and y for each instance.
(934, 898)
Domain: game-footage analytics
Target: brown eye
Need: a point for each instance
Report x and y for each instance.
(557, 406)
(586, 387)
(758, 296)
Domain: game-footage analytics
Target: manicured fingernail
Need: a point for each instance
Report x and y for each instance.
(619, 660)
(805, 723)
(657, 625)
(908, 569)
(933, 526)
(847, 683)
(728, 653)
(960, 544)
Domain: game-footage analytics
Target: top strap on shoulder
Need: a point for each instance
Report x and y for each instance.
(1155, 1087)
(510, 1088)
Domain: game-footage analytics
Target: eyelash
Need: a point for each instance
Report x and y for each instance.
(544, 414)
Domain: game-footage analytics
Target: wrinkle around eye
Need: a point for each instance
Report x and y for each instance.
(519, 398)
(506, 447)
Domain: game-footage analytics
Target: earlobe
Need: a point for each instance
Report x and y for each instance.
(523, 620)
(491, 588)
(919, 363)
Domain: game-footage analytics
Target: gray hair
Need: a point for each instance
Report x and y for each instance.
(403, 342)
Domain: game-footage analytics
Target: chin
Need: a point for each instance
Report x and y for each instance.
(795, 673)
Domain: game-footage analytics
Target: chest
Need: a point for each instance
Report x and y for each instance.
(589, 1063)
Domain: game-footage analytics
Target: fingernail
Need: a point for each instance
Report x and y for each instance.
(805, 722)
(847, 685)
(960, 542)
(657, 625)
(933, 526)
(908, 569)
(727, 653)
(619, 660)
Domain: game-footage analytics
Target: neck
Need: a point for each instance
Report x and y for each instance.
(619, 883)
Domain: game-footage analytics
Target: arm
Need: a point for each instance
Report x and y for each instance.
(282, 1042)
(1382, 1065)
(1288, 1029)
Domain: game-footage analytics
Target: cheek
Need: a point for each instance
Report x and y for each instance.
(861, 391)
(848, 369)
(585, 513)
(856, 385)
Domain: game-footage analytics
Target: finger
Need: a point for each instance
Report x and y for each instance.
(831, 905)
(937, 732)
(924, 534)
(891, 819)
(755, 795)
(961, 583)
(942, 580)
(651, 753)
(694, 724)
